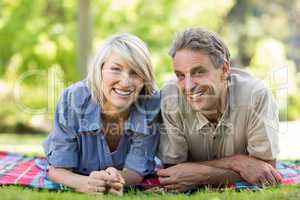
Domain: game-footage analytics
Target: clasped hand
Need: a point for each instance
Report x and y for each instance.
(105, 181)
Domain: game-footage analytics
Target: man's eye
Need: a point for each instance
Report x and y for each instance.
(199, 72)
(180, 76)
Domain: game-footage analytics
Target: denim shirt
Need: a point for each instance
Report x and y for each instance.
(78, 142)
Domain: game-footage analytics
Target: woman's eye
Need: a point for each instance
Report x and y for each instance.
(133, 73)
(116, 69)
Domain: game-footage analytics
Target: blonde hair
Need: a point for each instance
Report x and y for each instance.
(134, 52)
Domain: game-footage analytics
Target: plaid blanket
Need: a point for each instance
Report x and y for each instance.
(17, 169)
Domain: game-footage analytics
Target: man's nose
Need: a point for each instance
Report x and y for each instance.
(188, 84)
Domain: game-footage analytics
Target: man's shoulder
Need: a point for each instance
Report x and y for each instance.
(245, 88)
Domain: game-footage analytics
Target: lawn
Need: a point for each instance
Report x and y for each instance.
(31, 145)
(19, 193)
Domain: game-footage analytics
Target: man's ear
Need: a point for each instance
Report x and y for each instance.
(225, 70)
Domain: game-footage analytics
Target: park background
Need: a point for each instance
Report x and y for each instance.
(46, 45)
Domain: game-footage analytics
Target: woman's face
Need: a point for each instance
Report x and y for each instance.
(120, 84)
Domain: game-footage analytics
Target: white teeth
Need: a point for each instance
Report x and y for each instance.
(193, 96)
(122, 92)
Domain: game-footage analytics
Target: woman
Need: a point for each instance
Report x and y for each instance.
(106, 127)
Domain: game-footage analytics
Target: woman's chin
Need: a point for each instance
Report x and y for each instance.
(121, 106)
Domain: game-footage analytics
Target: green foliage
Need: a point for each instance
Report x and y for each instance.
(38, 41)
(270, 63)
(36, 35)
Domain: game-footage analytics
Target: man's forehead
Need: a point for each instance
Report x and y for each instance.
(186, 60)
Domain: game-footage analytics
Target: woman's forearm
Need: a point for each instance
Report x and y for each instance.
(67, 178)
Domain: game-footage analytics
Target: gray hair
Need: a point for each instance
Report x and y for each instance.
(200, 39)
(134, 52)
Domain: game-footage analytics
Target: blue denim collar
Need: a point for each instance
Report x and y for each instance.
(142, 113)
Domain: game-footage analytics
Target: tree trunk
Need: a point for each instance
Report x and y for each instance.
(84, 37)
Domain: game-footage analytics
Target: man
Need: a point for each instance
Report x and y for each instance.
(220, 124)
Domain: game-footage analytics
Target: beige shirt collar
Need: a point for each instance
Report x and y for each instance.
(225, 118)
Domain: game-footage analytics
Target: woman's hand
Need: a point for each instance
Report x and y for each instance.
(95, 183)
(115, 184)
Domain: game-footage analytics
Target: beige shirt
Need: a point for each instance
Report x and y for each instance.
(249, 124)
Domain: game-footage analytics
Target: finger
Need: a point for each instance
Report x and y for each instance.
(116, 185)
(118, 174)
(116, 192)
(103, 175)
(172, 187)
(122, 180)
(272, 177)
(113, 173)
(96, 189)
(163, 172)
(97, 182)
(277, 176)
(263, 181)
(166, 180)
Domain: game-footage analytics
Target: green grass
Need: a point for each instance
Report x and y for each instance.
(17, 139)
(19, 193)
(31, 145)
(28, 144)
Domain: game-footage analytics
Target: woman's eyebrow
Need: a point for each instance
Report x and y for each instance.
(118, 64)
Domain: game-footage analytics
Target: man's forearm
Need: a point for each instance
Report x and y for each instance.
(131, 177)
(221, 177)
(235, 163)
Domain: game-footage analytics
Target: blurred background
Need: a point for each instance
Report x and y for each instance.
(45, 45)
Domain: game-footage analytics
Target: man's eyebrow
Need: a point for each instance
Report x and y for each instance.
(197, 67)
(194, 68)
(178, 72)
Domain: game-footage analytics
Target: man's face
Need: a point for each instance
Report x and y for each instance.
(199, 80)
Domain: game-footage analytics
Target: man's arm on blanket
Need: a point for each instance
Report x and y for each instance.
(221, 177)
(251, 169)
(185, 176)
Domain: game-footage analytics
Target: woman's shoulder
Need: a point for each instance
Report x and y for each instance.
(77, 94)
(150, 105)
(76, 107)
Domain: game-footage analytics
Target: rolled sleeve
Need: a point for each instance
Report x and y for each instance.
(61, 146)
(263, 127)
(140, 157)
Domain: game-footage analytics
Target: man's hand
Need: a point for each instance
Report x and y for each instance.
(256, 171)
(183, 177)
(115, 183)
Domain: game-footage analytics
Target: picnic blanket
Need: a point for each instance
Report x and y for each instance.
(17, 169)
